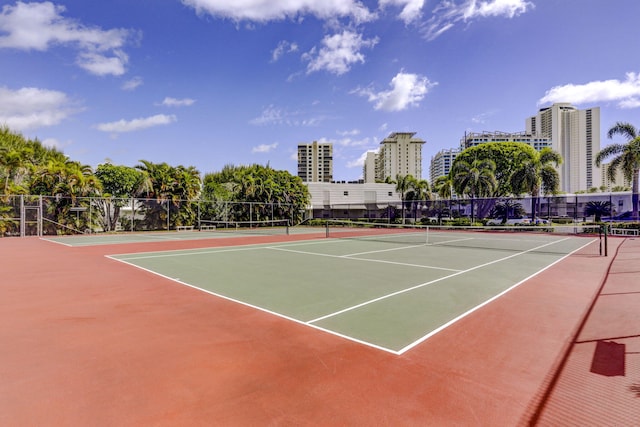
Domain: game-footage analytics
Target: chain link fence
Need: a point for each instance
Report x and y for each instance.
(24, 215)
(573, 208)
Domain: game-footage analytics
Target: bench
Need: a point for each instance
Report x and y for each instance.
(207, 228)
(184, 227)
(623, 232)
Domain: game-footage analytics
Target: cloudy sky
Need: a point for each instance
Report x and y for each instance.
(207, 83)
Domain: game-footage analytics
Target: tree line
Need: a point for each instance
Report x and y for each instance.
(500, 169)
(174, 195)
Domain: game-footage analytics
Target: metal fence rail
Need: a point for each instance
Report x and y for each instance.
(25, 215)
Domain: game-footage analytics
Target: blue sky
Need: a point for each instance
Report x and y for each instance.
(207, 83)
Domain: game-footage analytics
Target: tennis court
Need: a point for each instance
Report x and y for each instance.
(388, 288)
(222, 230)
(345, 326)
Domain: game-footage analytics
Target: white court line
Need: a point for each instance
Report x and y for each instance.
(216, 249)
(276, 248)
(383, 250)
(335, 333)
(246, 304)
(185, 252)
(57, 242)
(468, 312)
(428, 283)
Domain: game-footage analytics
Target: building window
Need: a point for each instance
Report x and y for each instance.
(346, 193)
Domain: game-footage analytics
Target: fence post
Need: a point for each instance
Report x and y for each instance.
(40, 212)
(22, 216)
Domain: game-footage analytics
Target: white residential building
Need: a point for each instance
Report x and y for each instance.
(475, 138)
(400, 154)
(441, 163)
(369, 168)
(619, 179)
(575, 134)
(315, 162)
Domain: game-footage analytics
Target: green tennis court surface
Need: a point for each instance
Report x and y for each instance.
(167, 236)
(389, 294)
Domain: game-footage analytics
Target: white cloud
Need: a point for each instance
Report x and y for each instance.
(482, 117)
(54, 143)
(101, 65)
(450, 12)
(411, 9)
(273, 115)
(32, 108)
(270, 115)
(122, 126)
(173, 102)
(407, 90)
(133, 83)
(38, 26)
(359, 162)
(264, 148)
(282, 48)
(338, 53)
(351, 132)
(265, 10)
(626, 93)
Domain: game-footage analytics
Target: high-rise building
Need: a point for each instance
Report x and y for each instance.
(475, 138)
(575, 134)
(620, 180)
(315, 162)
(400, 154)
(369, 168)
(441, 163)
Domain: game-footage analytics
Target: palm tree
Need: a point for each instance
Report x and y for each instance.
(506, 209)
(627, 160)
(443, 186)
(420, 192)
(475, 179)
(404, 183)
(597, 209)
(537, 173)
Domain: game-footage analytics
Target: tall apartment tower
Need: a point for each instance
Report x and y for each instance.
(575, 134)
(369, 168)
(315, 162)
(441, 163)
(400, 154)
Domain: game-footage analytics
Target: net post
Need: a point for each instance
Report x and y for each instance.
(606, 240)
(326, 229)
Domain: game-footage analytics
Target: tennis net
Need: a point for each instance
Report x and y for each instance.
(559, 239)
(273, 226)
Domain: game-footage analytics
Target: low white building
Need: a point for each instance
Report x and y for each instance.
(352, 200)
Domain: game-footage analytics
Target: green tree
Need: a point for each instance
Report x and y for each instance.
(419, 194)
(271, 194)
(443, 186)
(506, 209)
(506, 156)
(536, 173)
(69, 185)
(597, 209)
(476, 179)
(174, 189)
(119, 185)
(19, 160)
(404, 183)
(627, 159)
